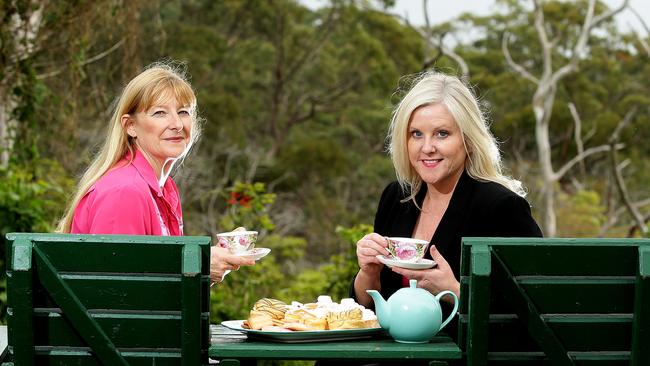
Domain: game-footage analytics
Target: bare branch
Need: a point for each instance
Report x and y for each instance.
(577, 134)
(620, 182)
(590, 151)
(456, 57)
(609, 14)
(643, 42)
(643, 23)
(446, 51)
(425, 12)
(613, 217)
(97, 57)
(520, 69)
(621, 125)
(580, 46)
(547, 46)
(437, 42)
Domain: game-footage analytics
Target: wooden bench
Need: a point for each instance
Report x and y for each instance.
(107, 299)
(555, 301)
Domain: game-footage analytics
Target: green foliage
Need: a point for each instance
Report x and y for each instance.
(31, 200)
(334, 277)
(580, 215)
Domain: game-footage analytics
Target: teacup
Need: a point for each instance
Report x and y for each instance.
(237, 242)
(406, 249)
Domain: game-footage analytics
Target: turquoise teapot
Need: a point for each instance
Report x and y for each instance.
(412, 315)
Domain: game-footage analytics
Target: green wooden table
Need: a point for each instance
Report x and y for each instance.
(230, 347)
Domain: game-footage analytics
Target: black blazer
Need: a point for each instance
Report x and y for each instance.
(476, 209)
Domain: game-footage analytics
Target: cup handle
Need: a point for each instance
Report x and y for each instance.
(225, 273)
(453, 312)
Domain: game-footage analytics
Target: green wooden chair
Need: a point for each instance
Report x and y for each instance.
(555, 301)
(108, 299)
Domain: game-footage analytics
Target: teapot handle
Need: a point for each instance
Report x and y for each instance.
(453, 312)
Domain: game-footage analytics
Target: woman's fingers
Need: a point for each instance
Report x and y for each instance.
(221, 261)
(371, 245)
(438, 258)
(435, 279)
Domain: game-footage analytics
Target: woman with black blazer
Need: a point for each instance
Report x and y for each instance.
(449, 185)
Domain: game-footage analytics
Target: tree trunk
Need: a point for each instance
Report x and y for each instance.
(8, 126)
(23, 29)
(542, 106)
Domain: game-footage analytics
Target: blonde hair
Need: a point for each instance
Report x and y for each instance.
(156, 84)
(483, 157)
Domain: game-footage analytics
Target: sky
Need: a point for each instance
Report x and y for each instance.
(443, 10)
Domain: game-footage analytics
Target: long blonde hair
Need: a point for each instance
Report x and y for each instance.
(483, 157)
(157, 82)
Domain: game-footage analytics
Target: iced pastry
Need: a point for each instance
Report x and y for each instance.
(324, 314)
(345, 319)
(310, 319)
(266, 312)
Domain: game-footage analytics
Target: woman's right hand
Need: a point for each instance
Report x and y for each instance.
(368, 248)
(222, 262)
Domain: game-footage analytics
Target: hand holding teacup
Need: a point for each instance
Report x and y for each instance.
(368, 248)
(225, 254)
(436, 279)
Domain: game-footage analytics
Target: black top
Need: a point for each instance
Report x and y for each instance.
(483, 209)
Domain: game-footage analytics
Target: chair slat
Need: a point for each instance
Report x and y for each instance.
(125, 330)
(596, 295)
(583, 260)
(20, 301)
(131, 292)
(580, 334)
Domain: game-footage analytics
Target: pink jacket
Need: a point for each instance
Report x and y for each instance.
(127, 200)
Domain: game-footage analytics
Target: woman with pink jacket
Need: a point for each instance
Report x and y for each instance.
(127, 189)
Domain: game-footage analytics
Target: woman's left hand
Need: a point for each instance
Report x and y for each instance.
(436, 279)
(222, 262)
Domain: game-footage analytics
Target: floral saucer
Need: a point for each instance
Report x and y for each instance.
(256, 253)
(419, 264)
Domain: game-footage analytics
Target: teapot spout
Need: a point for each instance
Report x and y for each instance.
(381, 308)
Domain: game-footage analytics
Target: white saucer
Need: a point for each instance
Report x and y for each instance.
(256, 253)
(420, 264)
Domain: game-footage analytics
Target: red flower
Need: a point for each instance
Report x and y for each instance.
(234, 198)
(245, 201)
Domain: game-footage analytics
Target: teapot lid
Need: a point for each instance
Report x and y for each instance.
(414, 292)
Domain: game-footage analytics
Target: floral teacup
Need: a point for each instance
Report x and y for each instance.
(237, 242)
(406, 249)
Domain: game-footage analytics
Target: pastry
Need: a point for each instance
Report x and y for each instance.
(275, 315)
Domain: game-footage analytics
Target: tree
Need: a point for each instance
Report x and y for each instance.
(545, 94)
(19, 33)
